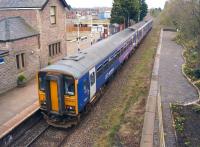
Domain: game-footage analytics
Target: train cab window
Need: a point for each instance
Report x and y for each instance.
(41, 80)
(69, 86)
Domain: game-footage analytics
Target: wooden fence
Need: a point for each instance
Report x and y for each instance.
(74, 29)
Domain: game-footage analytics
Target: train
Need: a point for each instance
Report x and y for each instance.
(72, 85)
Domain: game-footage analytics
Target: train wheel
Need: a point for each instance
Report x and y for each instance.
(88, 108)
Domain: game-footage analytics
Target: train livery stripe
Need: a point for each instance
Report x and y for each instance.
(54, 95)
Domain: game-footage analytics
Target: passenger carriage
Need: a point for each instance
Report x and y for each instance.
(67, 87)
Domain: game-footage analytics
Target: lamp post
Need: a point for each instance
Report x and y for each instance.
(91, 36)
(139, 16)
(78, 31)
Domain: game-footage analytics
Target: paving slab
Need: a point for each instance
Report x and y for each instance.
(174, 86)
(16, 100)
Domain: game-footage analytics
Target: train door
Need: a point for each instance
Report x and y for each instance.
(54, 94)
(92, 77)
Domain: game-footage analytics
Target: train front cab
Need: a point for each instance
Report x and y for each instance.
(58, 98)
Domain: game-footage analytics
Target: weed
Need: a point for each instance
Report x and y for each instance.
(187, 143)
(196, 108)
(179, 124)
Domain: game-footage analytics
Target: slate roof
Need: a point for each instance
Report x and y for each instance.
(92, 56)
(14, 28)
(26, 3)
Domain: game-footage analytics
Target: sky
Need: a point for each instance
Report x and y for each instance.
(108, 3)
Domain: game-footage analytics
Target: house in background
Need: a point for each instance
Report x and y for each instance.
(34, 34)
(104, 15)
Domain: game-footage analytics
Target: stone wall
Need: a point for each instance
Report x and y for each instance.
(9, 72)
(52, 33)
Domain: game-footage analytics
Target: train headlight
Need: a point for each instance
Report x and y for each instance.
(70, 108)
(43, 102)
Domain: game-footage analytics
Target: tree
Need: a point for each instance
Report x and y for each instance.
(155, 12)
(124, 10)
(116, 13)
(143, 9)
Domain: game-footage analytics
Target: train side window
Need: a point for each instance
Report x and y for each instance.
(85, 85)
(69, 86)
(99, 69)
(124, 49)
(118, 53)
(111, 60)
(106, 65)
(92, 79)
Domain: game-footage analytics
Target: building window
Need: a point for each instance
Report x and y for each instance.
(54, 49)
(20, 60)
(22, 56)
(53, 14)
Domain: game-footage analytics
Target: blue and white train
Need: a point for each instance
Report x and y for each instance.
(69, 87)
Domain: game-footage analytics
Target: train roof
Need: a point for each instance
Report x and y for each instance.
(78, 64)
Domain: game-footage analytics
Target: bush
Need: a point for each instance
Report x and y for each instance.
(21, 78)
(198, 84)
(197, 73)
(21, 81)
(196, 108)
(188, 71)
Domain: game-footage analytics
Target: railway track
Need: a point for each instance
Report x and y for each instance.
(42, 135)
(52, 137)
(30, 135)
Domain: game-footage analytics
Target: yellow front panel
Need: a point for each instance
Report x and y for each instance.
(54, 96)
(41, 96)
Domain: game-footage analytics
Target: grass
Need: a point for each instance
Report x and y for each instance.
(126, 120)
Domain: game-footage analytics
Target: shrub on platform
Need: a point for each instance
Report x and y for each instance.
(21, 80)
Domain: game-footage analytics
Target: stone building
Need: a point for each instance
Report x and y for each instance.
(33, 33)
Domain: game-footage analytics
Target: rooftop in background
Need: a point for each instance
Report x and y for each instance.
(99, 22)
(14, 28)
(10, 4)
(90, 3)
(3, 53)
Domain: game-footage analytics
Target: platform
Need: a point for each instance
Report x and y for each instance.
(16, 105)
